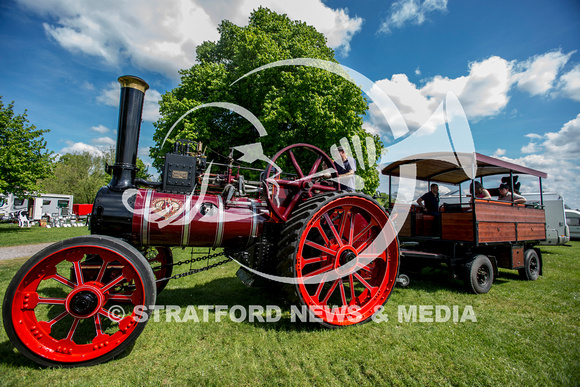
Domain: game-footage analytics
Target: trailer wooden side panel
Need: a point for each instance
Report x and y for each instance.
(504, 222)
(457, 226)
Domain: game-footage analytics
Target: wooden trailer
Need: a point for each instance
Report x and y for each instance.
(473, 238)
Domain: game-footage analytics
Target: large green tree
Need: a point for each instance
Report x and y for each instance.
(83, 174)
(24, 157)
(294, 103)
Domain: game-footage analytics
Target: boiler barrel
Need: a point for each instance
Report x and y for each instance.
(191, 220)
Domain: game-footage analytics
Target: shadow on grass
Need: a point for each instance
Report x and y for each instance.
(431, 280)
(13, 230)
(231, 292)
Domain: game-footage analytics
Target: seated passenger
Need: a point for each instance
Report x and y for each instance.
(480, 192)
(506, 196)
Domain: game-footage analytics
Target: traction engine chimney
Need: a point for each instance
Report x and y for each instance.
(110, 215)
(130, 111)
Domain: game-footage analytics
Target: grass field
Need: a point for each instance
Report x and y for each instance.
(12, 235)
(525, 333)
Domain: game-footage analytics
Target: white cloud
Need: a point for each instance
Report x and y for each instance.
(483, 92)
(411, 11)
(104, 142)
(557, 154)
(111, 94)
(80, 147)
(561, 145)
(162, 36)
(537, 75)
(570, 83)
(499, 152)
(100, 129)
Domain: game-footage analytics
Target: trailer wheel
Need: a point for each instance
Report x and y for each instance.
(56, 318)
(479, 274)
(337, 240)
(531, 269)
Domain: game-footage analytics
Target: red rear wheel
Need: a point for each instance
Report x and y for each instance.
(56, 316)
(301, 171)
(161, 261)
(344, 254)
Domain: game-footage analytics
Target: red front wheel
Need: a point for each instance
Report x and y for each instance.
(56, 316)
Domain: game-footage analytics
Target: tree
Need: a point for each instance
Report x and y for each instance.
(83, 174)
(24, 157)
(295, 104)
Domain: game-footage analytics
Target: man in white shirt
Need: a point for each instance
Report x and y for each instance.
(346, 170)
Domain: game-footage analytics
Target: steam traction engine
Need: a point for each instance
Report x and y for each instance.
(84, 300)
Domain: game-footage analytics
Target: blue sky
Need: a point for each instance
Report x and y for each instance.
(514, 65)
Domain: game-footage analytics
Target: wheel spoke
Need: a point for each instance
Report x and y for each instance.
(295, 164)
(365, 283)
(351, 231)
(315, 166)
(342, 292)
(321, 248)
(345, 216)
(102, 271)
(51, 301)
(78, 272)
(73, 329)
(333, 229)
(110, 316)
(332, 289)
(62, 280)
(57, 318)
(323, 269)
(308, 261)
(362, 247)
(322, 233)
(365, 230)
(98, 326)
(291, 205)
(113, 283)
(351, 285)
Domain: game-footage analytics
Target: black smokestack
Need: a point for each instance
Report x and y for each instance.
(130, 110)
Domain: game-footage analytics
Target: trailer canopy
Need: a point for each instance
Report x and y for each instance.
(443, 167)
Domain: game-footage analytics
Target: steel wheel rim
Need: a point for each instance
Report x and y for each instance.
(357, 296)
(534, 266)
(482, 275)
(55, 332)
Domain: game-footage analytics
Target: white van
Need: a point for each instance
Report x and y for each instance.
(51, 206)
(557, 230)
(573, 221)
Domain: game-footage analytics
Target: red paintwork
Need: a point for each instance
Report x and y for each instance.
(356, 225)
(38, 335)
(162, 219)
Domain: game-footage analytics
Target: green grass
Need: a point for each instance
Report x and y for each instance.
(12, 235)
(526, 333)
